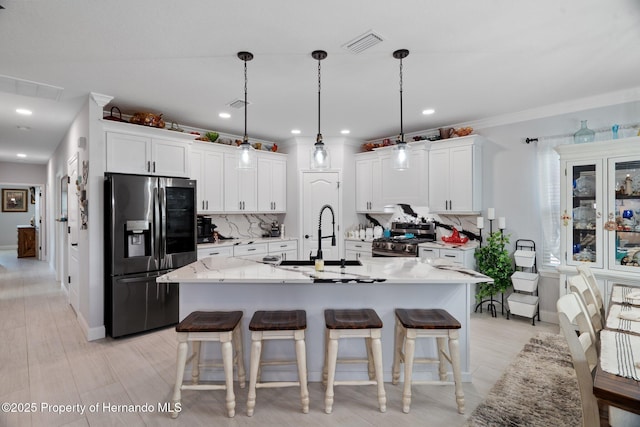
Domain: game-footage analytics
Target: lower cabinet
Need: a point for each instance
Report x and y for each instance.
(464, 258)
(354, 249)
(223, 251)
(286, 249)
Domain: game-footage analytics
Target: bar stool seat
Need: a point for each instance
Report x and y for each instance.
(353, 323)
(210, 326)
(277, 325)
(426, 323)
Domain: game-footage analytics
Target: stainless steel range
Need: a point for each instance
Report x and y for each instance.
(404, 240)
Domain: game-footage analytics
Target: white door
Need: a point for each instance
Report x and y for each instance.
(72, 230)
(319, 189)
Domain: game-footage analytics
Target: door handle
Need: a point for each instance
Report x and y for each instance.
(306, 236)
(74, 244)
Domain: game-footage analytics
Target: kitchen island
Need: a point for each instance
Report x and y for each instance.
(251, 284)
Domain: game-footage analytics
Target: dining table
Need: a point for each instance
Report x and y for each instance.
(617, 376)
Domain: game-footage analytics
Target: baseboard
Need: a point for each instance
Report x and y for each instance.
(92, 334)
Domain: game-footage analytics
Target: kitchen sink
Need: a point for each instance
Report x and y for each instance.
(303, 262)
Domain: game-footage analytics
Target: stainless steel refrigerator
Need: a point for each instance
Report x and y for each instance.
(150, 229)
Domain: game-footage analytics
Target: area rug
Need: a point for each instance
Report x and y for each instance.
(538, 389)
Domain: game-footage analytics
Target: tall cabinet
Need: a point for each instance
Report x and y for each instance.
(600, 206)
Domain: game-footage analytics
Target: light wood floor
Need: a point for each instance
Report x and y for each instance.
(45, 360)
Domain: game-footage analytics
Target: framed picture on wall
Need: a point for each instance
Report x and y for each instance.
(14, 200)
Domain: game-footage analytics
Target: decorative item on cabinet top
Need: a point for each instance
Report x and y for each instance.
(148, 119)
(386, 142)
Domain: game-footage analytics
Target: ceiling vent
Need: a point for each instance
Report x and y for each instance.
(29, 88)
(238, 103)
(363, 42)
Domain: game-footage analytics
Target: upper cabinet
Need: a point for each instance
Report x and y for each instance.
(455, 176)
(409, 186)
(207, 166)
(240, 193)
(368, 179)
(146, 155)
(600, 205)
(272, 182)
(379, 184)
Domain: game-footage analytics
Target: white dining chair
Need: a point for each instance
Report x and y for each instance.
(579, 285)
(572, 312)
(587, 274)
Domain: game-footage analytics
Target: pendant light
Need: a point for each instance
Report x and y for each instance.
(319, 154)
(401, 149)
(247, 156)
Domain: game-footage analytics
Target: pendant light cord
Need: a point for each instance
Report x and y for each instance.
(401, 121)
(319, 136)
(246, 137)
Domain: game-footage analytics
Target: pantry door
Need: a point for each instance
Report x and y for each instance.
(73, 266)
(320, 189)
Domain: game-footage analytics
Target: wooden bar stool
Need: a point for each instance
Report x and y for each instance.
(426, 323)
(277, 325)
(353, 323)
(210, 326)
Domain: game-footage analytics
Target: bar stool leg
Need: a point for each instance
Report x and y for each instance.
(442, 364)
(376, 348)
(326, 358)
(332, 356)
(237, 340)
(301, 356)
(195, 362)
(256, 350)
(409, 353)
(454, 353)
(370, 364)
(227, 362)
(180, 363)
(398, 343)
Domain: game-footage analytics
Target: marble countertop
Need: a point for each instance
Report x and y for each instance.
(243, 241)
(388, 270)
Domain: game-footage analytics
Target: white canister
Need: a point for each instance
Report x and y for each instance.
(362, 233)
(368, 233)
(377, 232)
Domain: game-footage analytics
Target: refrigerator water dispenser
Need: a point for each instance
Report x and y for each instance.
(138, 239)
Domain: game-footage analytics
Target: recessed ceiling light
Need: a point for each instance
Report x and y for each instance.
(428, 111)
(23, 127)
(224, 115)
(24, 111)
(295, 131)
(345, 131)
(21, 155)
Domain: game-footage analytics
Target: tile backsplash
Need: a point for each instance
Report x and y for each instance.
(244, 225)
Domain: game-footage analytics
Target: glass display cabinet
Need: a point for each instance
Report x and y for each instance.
(600, 211)
(624, 216)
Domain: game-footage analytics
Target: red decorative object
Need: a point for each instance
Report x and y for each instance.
(455, 237)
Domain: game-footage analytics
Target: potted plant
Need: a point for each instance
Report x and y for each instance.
(493, 260)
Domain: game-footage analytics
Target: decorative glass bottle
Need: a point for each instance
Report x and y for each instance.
(584, 134)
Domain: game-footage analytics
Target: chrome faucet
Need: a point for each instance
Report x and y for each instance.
(320, 237)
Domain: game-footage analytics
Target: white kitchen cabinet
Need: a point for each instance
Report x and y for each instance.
(240, 193)
(272, 182)
(285, 249)
(455, 176)
(146, 155)
(408, 186)
(355, 249)
(368, 181)
(207, 168)
(222, 251)
(251, 249)
(463, 257)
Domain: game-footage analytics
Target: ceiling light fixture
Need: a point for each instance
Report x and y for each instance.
(428, 111)
(345, 131)
(224, 115)
(401, 149)
(24, 111)
(319, 155)
(295, 131)
(21, 155)
(247, 158)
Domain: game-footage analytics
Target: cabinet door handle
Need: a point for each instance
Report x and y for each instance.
(251, 249)
(154, 167)
(207, 205)
(214, 253)
(148, 166)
